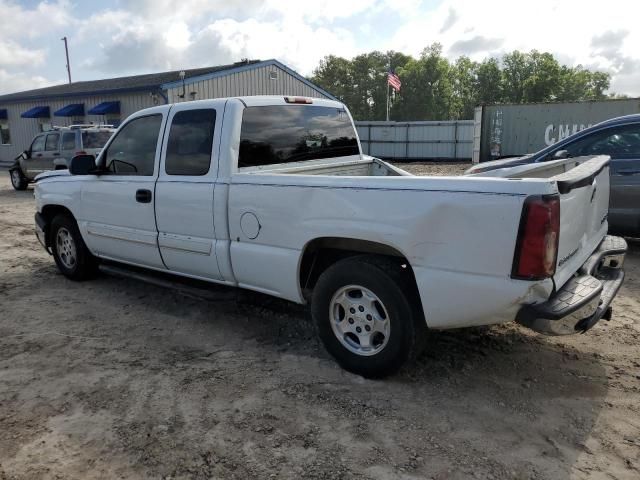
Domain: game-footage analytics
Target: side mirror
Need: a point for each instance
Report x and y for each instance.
(82, 165)
(560, 154)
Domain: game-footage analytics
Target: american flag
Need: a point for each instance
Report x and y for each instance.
(394, 80)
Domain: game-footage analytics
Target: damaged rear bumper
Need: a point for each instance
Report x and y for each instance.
(585, 298)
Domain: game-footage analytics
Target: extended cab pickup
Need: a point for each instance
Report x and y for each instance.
(273, 194)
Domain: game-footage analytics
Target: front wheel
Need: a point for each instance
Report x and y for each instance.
(70, 253)
(368, 315)
(18, 180)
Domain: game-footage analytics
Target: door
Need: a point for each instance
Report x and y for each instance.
(184, 191)
(32, 166)
(68, 147)
(622, 144)
(117, 208)
(51, 151)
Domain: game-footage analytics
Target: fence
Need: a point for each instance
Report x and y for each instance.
(450, 140)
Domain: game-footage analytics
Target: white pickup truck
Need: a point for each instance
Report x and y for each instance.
(273, 194)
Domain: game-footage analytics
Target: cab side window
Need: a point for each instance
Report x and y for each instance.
(68, 141)
(52, 142)
(133, 150)
(190, 142)
(618, 142)
(38, 144)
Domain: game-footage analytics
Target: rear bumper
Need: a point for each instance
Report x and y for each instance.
(585, 298)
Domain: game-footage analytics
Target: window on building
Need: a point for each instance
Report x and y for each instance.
(5, 133)
(190, 142)
(52, 142)
(133, 150)
(291, 133)
(38, 144)
(69, 141)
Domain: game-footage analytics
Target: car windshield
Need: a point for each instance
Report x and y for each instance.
(95, 139)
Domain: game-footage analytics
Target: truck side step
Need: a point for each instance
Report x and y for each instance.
(188, 287)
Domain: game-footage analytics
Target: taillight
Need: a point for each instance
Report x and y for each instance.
(537, 245)
(303, 100)
(81, 152)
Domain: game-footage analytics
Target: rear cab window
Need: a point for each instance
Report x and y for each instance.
(95, 139)
(278, 134)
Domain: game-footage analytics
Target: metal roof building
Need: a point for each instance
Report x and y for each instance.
(25, 114)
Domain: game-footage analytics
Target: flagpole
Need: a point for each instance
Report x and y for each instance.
(387, 100)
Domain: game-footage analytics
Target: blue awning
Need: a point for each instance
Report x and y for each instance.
(72, 110)
(3, 114)
(37, 112)
(105, 108)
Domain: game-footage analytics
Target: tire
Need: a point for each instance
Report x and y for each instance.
(70, 253)
(387, 312)
(18, 180)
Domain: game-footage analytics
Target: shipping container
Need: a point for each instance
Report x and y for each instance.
(508, 130)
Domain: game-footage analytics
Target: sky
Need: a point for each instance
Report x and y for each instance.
(110, 38)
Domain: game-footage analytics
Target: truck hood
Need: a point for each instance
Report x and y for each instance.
(52, 173)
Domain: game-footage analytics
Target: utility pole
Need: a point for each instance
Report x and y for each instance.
(66, 51)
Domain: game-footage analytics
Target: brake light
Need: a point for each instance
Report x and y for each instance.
(537, 245)
(81, 152)
(302, 100)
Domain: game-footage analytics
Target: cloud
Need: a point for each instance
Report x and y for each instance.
(545, 25)
(137, 45)
(474, 45)
(609, 42)
(14, 82)
(18, 21)
(451, 19)
(14, 55)
(120, 37)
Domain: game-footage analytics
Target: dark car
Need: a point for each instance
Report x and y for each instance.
(620, 139)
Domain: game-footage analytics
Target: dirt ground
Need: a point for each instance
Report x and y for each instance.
(116, 378)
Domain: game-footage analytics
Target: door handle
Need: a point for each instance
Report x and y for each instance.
(628, 172)
(38, 155)
(143, 196)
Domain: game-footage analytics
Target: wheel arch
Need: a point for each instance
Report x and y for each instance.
(48, 213)
(320, 253)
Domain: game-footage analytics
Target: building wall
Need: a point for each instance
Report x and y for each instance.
(255, 81)
(23, 130)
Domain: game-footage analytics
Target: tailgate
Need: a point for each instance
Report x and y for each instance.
(584, 206)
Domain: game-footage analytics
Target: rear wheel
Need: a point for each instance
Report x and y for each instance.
(367, 314)
(18, 180)
(70, 253)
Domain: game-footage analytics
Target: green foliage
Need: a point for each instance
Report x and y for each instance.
(435, 88)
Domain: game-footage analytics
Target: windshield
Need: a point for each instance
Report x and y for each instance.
(95, 139)
(289, 133)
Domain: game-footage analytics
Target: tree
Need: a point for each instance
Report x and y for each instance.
(434, 88)
(488, 82)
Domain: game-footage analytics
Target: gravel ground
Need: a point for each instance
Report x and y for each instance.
(115, 378)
